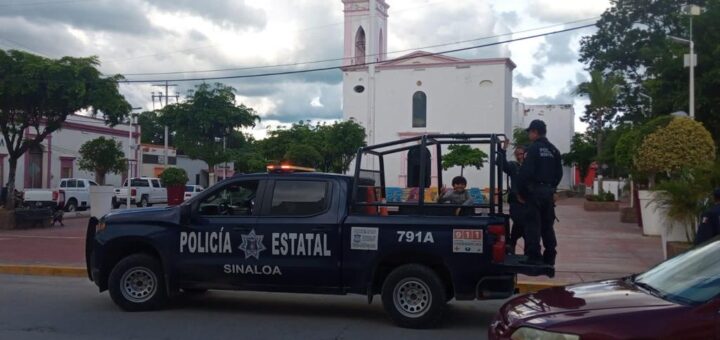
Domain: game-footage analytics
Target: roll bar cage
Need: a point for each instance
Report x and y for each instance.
(437, 140)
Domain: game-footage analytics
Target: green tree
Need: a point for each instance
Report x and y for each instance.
(303, 155)
(336, 143)
(209, 115)
(463, 155)
(520, 137)
(340, 143)
(682, 144)
(602, 92)
(632, 40)
(38, 94)
(152, 131)
(101, 156)
(582, 153)
(631, 139)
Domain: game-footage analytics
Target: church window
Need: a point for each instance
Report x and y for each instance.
(360, 46)
(419, 110)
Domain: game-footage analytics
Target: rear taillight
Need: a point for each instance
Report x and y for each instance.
(55, 196)
(133, 192)
(498, 248)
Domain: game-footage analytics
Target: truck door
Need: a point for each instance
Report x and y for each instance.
(210, 246)
(157, 192)
(297, 236)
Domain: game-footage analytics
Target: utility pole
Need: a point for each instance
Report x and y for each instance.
(160, 96)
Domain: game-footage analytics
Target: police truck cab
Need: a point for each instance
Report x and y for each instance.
(293, 230)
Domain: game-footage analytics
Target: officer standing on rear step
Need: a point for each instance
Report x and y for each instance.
(538, 179)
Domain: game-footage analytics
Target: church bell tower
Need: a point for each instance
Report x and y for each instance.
(365, 31)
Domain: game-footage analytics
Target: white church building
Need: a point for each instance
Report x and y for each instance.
(423, 93)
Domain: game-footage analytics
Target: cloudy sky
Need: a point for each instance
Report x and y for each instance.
(137, 37)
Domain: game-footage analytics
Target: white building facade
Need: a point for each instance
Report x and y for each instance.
(560, 121)
(57, 156)
(424, 93)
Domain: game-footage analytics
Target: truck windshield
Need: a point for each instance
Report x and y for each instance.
(690, 278)
(138, 182)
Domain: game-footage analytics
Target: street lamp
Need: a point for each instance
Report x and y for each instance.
(690, 60)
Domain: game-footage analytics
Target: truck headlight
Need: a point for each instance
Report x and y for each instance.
(527, 333)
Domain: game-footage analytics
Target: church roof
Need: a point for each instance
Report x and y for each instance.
(423, 59)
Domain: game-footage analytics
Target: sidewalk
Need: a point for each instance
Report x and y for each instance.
(596, 245)
(591, 246)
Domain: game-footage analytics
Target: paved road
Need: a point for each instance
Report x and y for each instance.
(33, 307)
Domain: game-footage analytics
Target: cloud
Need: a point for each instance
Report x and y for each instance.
(563, 96)
(558, 11)
(511, 18)
(538, 71)
(556, 49)
(523, 81)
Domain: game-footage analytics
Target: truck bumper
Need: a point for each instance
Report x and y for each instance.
(496, 287)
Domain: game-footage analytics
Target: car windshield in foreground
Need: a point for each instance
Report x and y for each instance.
(690, 278)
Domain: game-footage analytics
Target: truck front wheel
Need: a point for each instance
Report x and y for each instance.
(414, 296)
(136, 283)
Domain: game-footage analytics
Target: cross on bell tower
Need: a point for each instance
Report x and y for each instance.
(365, 31)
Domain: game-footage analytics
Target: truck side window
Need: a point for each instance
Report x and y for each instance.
(233, 199)
(156, 183)
(80, 184)
(71, 183)
(63, 184)
(299, 198)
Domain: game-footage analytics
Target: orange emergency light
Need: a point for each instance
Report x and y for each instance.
(287, 168)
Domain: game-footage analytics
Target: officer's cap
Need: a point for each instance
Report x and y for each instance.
(537, 125)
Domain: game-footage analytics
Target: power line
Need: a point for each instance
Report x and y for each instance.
(257, 75)
(405, 9)
(348, 58)
(40, 3)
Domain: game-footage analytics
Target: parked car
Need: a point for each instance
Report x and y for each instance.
(76, 193)
(41, 198)
(677, 299)
(192, 191)
(144, 192)
(301, 232)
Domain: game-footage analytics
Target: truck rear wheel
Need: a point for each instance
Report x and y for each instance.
(143, 202)
(414, 296)
(136, 283)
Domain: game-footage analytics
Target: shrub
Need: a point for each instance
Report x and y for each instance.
(602, 197)
(173, 176)
(682, 144)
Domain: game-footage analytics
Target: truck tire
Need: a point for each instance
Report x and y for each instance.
(143, 202)
(115, 203)
(136, 283)
(71, 205)
(414, 296)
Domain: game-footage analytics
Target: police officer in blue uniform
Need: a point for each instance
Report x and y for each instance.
(538, 179)
(710, 225)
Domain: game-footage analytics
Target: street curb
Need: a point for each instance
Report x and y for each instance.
(42, 270)
(15, 269)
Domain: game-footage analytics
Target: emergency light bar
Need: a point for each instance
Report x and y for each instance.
(285, 168)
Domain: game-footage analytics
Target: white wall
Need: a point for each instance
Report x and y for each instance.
(66, 142)
(470, 99)
(560, 121)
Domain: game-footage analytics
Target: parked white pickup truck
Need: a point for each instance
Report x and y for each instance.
(76, 192)
(72, 194)
(40, 198)
(144, 192)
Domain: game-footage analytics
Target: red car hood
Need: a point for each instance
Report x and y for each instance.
(578, 300)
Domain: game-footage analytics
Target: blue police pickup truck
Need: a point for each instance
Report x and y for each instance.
(290, 230)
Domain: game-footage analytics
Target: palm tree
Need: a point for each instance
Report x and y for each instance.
(602, 92)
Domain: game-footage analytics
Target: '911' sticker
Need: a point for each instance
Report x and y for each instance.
(467, 241)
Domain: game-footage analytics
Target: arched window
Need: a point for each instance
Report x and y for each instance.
(360, 46)
(419, 110)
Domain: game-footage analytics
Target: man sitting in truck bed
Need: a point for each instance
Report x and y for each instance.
(458, 195)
